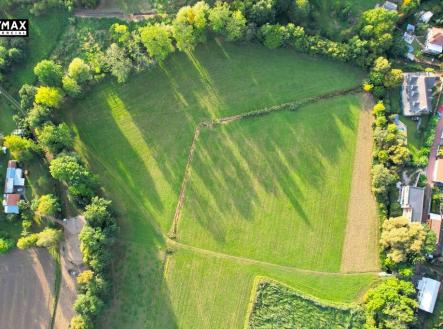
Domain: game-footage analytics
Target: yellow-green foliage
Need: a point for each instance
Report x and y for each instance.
(277, 306)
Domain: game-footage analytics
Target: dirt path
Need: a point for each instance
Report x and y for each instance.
(27, 279)
(70, 260)
(360, 250)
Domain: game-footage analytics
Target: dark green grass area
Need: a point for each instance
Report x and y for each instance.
(7, 124)
(277, 306)
(275, 188)
(44, 33)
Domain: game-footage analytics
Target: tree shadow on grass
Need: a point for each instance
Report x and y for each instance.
(279, 154)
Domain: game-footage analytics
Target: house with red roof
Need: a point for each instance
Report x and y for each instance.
(434, 41)
(14, 188)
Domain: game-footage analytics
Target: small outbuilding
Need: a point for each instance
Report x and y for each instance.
(427, 294)
(411, 201)
(388, 5)
(425, 17)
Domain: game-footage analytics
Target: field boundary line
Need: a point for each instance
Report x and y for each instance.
(289, 106)
(260, 262)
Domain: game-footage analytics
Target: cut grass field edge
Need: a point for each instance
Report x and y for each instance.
(172, 243)
(322, 303)
(289, 106)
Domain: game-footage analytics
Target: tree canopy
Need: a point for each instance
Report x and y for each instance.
(390, 305)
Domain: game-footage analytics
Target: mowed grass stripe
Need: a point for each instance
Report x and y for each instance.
(136, 138)
(275, 188)
(142, 131)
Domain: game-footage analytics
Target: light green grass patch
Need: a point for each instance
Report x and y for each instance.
(275, 188)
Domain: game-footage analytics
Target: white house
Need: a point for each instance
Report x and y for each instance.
(427, 294)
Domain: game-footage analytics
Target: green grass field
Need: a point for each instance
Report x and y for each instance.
(136, 138)
(275, 188)
(200, 291)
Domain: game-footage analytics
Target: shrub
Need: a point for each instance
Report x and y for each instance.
(48, 72)
(49, 96)
(5, 244)
(21, 148)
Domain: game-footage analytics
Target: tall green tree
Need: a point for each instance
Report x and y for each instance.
(21, 148)
(405, 242)
(48, 72)
(157, 39)
(390, 305)
(49, 96)
(54, 139)
(79, 70)
(189, 26)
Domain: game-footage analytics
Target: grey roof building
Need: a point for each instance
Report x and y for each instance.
(416, 93)
(411, 201)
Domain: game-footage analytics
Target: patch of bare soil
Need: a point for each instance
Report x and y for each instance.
(360, 250)
(71, 264)
(27, 279)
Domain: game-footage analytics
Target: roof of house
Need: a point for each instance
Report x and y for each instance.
(12, 199)
(417, 93)
(411, 201)
(435, 36)
(390, 5)
(427, 294)
(434, 40)
(438, 171)
(10, 203)
(435, 225)
(14, 177)
(426, 16)
(12, 164)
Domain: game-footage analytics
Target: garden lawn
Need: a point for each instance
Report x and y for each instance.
(415, 139)
(275, 188)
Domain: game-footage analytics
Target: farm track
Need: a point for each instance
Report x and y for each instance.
(290, 106)
(361, 238)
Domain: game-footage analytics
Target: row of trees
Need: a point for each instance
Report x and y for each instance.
(96, 239)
